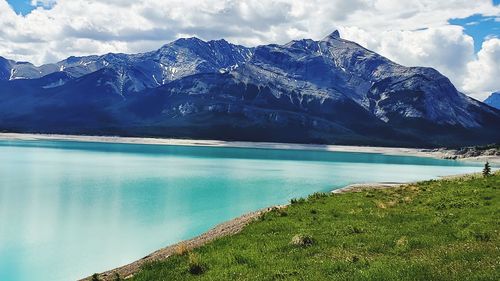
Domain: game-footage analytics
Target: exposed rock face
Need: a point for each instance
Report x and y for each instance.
(327, 91)
(471, 152)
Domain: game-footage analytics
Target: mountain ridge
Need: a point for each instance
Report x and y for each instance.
(327, 91)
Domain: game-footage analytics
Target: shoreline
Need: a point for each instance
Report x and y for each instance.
(394, 151)
(227, 228)
(234, 226)
(224, 229)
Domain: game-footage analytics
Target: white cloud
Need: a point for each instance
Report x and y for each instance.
(484, 73)
(81, 27)
(445, 48)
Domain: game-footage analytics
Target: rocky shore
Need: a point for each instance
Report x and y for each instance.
(489, 153)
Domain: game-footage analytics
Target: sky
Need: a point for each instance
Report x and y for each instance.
(460, 38)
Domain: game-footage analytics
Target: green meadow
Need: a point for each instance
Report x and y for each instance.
(433, 230)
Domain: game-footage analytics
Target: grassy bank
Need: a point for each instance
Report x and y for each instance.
(434, 230)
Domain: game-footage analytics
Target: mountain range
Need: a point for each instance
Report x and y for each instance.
(331, 91)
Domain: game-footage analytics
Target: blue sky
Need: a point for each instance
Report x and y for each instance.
(24, 7)
(21, 6)
(479, 27)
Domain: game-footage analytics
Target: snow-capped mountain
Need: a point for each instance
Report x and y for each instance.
(326, 91)
(493, 100)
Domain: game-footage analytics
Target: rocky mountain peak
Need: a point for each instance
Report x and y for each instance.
(335, 35)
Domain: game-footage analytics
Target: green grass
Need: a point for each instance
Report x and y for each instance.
(434, 230)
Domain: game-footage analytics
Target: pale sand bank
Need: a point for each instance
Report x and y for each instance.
(239, 144)
(364, 186)
(357, 187)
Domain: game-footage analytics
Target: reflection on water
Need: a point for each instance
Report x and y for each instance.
(68, 209)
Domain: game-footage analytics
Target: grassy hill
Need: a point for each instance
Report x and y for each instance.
(434, 230)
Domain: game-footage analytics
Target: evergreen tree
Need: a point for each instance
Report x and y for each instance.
(487, 170)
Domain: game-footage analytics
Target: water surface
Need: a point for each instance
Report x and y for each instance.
(68, 209)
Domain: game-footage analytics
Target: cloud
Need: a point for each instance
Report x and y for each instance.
(409, 32)
(445, 48)
(484, 72)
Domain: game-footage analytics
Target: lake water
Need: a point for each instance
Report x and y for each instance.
(68, 209)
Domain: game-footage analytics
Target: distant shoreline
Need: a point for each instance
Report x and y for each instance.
(397, 151)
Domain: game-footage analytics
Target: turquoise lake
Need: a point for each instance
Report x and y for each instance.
(69, 209)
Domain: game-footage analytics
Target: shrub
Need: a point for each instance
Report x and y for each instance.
(280, 211)
(401, 242)
(243, 260)
(369, 195)
(302, 240)
(318, 195)
(380, 205)
(353, 259)
(402, 245)
(195, 266)
(181, 249)
(354, 229)
(297, 201)
(117, 277)
(482, 236)
(95, 277)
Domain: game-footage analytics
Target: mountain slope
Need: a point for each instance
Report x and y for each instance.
(327, 91)
(236, 107)
(493, 100)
